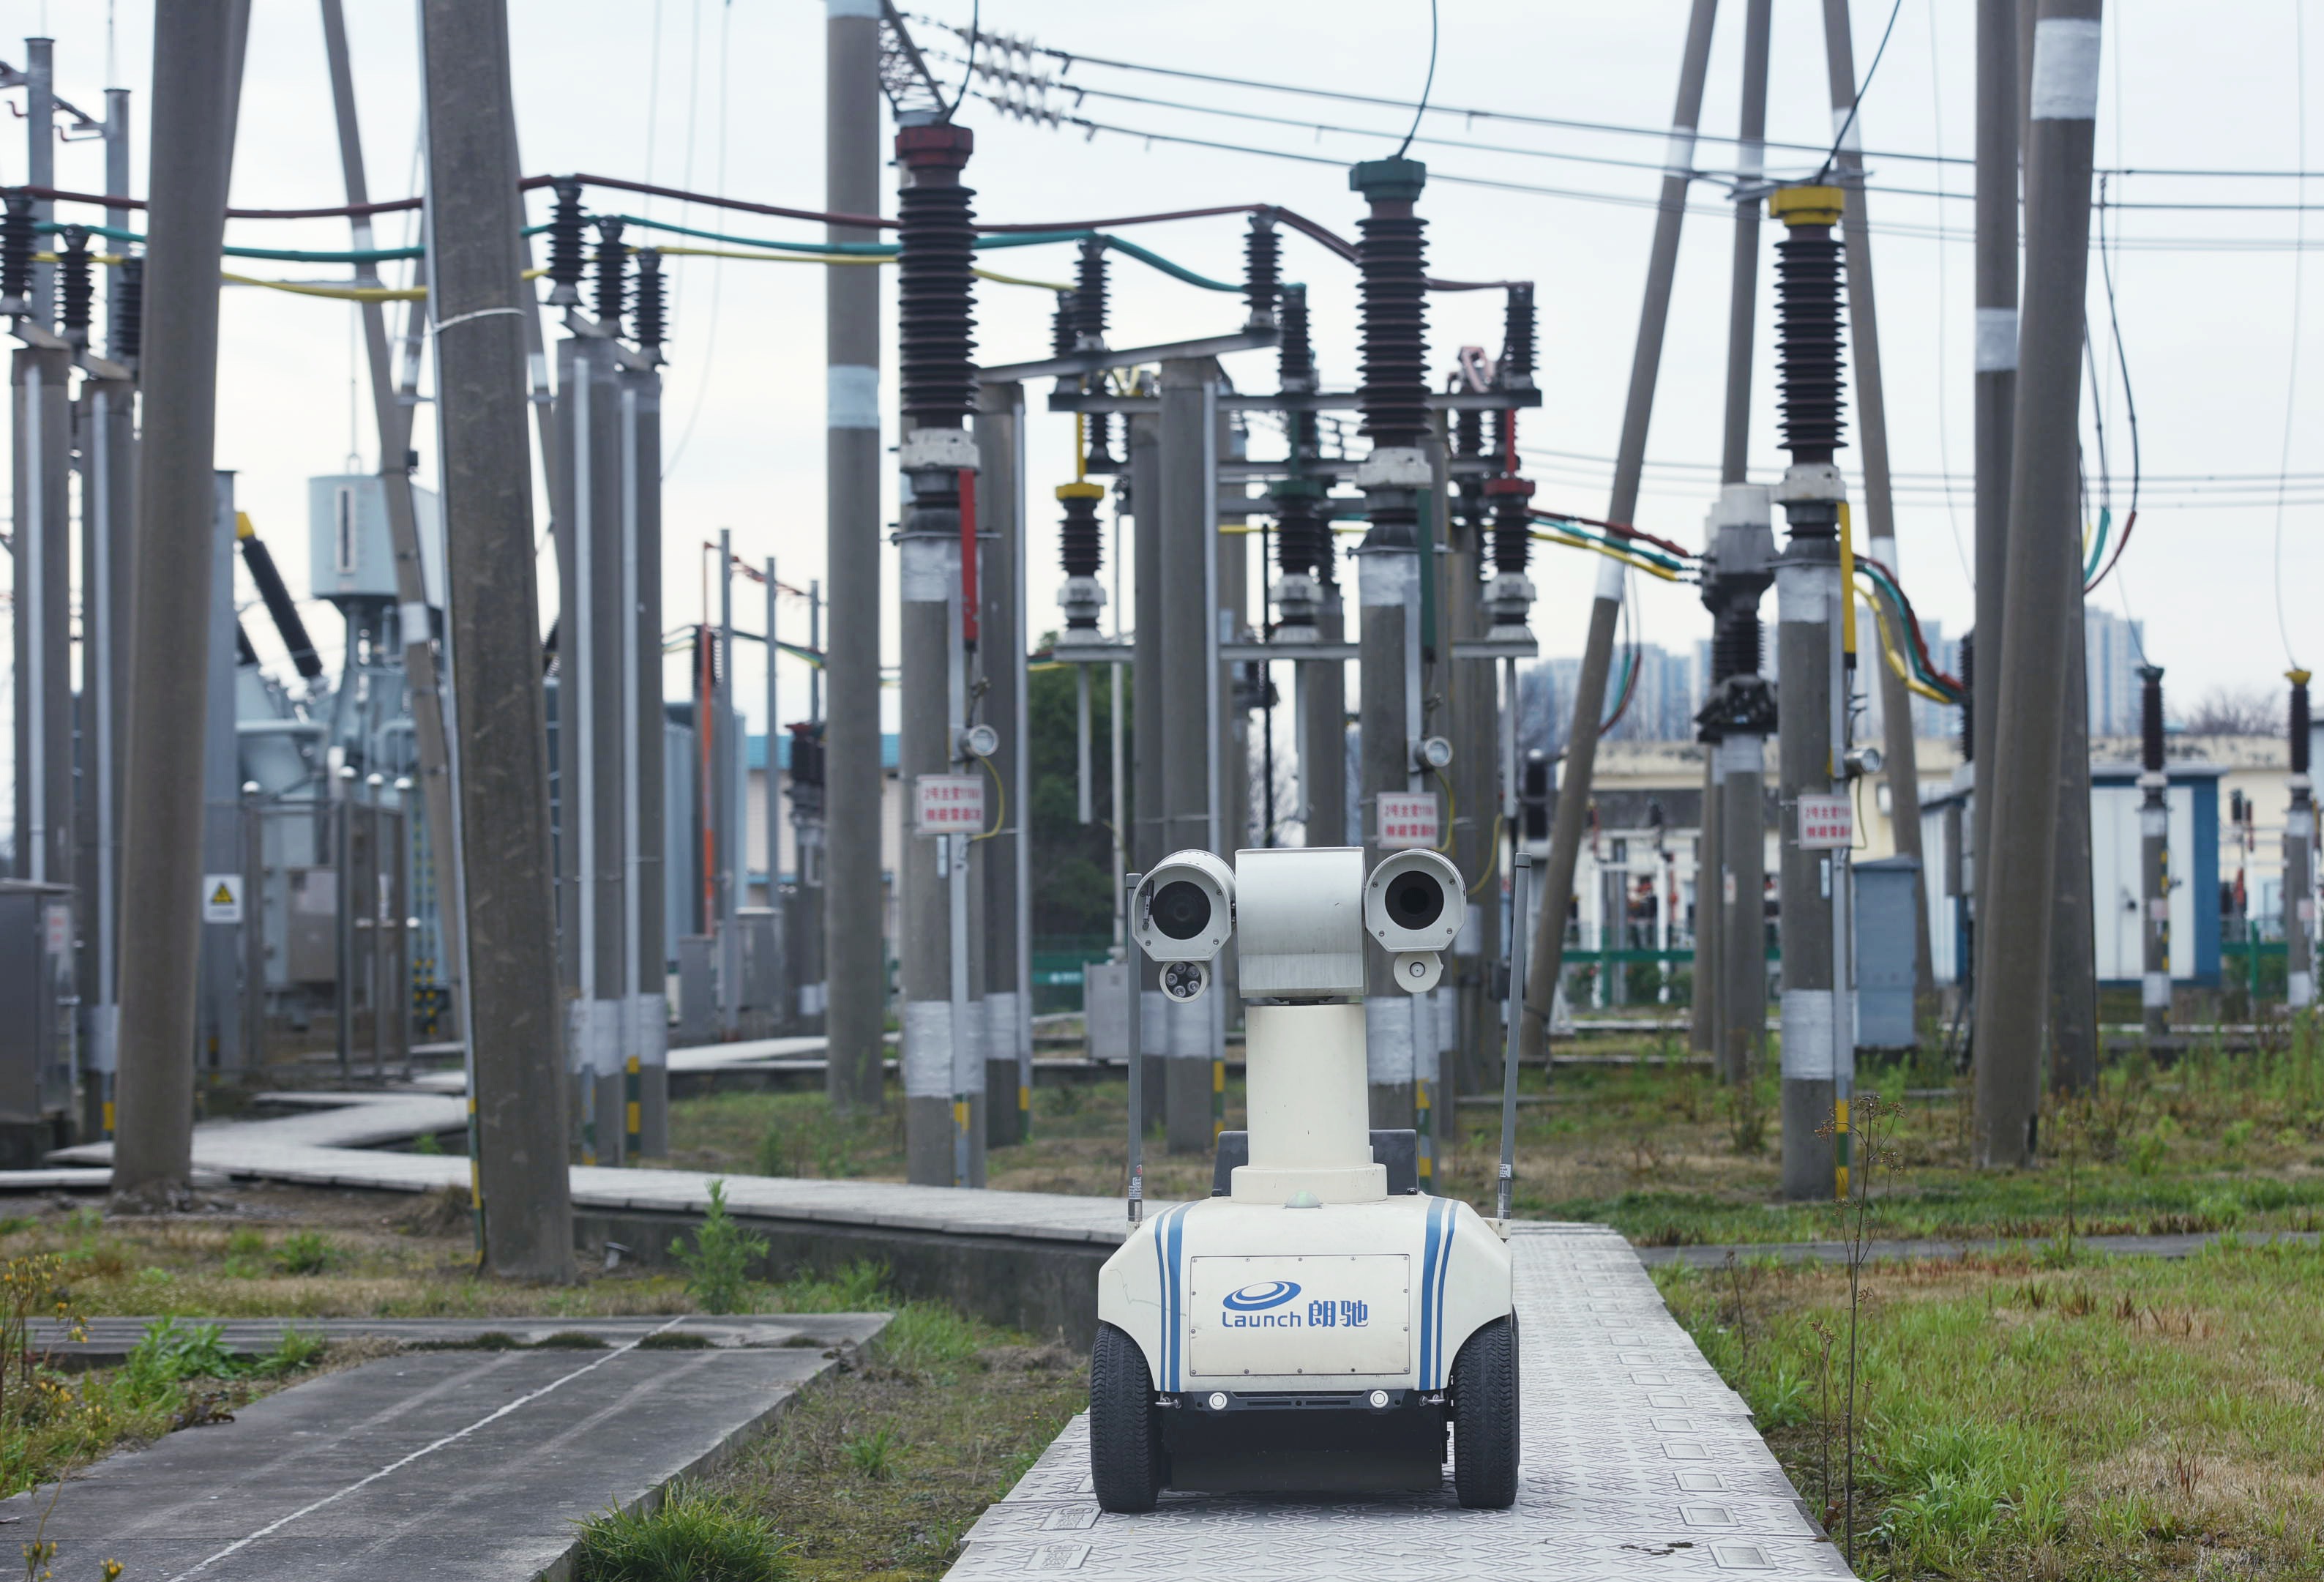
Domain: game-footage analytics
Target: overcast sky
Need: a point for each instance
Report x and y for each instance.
(726, 95)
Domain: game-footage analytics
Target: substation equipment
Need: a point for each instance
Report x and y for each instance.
(1319, 1321)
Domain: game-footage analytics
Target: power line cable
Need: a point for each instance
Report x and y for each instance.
(717, 265)
(1427, 85)
(2299, 280)
(1856, 104)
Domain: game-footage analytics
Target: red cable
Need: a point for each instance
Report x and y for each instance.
(2121, 544)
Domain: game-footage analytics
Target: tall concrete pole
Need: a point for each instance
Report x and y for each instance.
(162, 802)
(943, 1065)
(1710, 883)
(1188, 747)
(478, 302)
(1001, 663)
(422, 683)
(2044, 568)
(855, 952)
(644, 794)
(1809, 603)
(2073, 929)
(1547, 968)
(1900, 768)
(2299, 861)
(2154, 857)
(1393, 477)
(1150, 842)
(41, 166)
(1996, 398)
(43, 604)
(1738, 717)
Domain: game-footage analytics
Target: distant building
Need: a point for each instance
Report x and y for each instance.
(2114, 647)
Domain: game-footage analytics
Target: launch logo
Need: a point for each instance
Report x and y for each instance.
(1259, 1298)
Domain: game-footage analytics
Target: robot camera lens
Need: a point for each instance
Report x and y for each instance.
(1181, 909)
(1414, 900)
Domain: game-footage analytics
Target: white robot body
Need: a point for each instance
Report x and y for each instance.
(1305, 1328)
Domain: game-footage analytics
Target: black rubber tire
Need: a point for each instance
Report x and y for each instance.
(1485, 1418)
(1125, 1426)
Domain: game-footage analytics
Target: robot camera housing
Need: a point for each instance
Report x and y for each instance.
(1413, 904)
(1184, 908)
(1185, 981)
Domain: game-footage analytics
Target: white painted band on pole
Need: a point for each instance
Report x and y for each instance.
(927, 1049)
(851, 398)
(1001, 1023)
(925, 570)
(412, 618)
(105, 1037)
(1424, 1061)
(1387, 1039)
(650, 1029)
(1610, 579)
(2300, 989)
(1997, 341)
(1742, 754)
(1807, 1035)
(1387, 578)
(2155, 991)
(2065, 69)
(1804, 593)
(2155, 823)
(839, 9)
(1447, 1001)
(1848, 125)
(1678, 153)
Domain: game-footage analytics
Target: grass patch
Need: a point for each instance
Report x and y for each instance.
(880, 1468)
(690, 1536)
(2214, 1142)
(2063, 1418)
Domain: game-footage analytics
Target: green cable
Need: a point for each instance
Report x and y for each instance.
(281, 254)
(2098, 551)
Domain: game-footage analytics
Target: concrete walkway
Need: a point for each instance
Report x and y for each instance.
(109, 1340)
(456, 1467)
(1637, 1463)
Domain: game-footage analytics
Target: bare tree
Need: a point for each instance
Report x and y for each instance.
(2236, 711)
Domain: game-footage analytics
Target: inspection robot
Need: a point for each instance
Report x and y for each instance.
(1317, 1324)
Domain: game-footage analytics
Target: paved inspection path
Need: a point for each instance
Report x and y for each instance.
(2121, 1246)
(453, 1466)
(1638, 1462)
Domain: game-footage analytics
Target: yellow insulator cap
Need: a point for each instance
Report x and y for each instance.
(241, 528)
(1805, 204)
(2296, 677)
(1080, 491)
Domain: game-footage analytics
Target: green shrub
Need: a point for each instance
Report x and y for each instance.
(305, 1251)
(691, 1535)
(869, 1454)
(717, 1263)
(294, 1353)
(861, 1287)
(167, 1354)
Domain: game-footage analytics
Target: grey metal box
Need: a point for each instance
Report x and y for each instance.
(36, 1004)
(1885, 923)
(1105, 1009)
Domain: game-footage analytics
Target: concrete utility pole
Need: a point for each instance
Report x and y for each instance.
(108, 494)
(1548, 969)
(645, 1032)
(943, 1062)
(1995, 405)
(478, 302)
(2073, 927)
(1150, 843)
(193, 151)
(1811, 595)
(2044, 568)
(855, 950)
(1738, 717)
(1393, 477)
(1001, 663)
(1900, 767)
(1188, 511)
(423, 689)
(2299, 861)
(1711, 974)
(2154, 857)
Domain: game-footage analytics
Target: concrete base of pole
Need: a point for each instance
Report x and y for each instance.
(1186, 1101)
(1003, 1122)
(1809, 1155)
(928, 1132)
(611, 1093)
(649, 1036)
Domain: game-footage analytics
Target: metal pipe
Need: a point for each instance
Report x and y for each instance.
(1598, 650)
(1520, 876)
(2299, 859)
(2011, 1006)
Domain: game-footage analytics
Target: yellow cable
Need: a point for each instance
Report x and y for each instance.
(338, 293)
(1000, 802)
(1896, 661)
(1846, 583)
(1649, 567)
(1492, 867)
